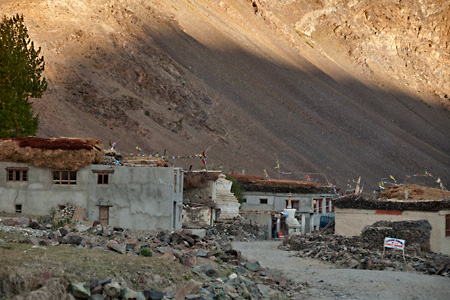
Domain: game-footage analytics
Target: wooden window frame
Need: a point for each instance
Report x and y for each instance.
(17, 174)
(328, 205)
(317, 206)
(101, 175)
(295, 203)
(180, 181)
(61, 180)
(175, 182)
(447, 225)
(102, 178)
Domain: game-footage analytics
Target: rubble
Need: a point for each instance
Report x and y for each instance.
(220, 272)
(239, 229)
(65, 211)
(366, 251)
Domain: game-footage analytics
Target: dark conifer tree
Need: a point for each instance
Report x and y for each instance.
(21, 68)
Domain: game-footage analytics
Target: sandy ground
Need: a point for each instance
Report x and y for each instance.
(325, 281)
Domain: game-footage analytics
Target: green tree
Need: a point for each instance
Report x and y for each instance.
(21, 68)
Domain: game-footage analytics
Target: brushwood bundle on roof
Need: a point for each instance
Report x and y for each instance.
(414, 192)
(196, 179)
(57, 153)
(362, 202)
(251, 183)
(143, 161)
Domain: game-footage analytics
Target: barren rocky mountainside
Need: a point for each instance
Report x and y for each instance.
(346, 88)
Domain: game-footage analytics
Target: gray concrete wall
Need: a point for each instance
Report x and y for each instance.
(142, 198)
(39, 195)
(350, 222)
(277, 201)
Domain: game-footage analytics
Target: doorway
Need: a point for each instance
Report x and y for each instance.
(103, 215)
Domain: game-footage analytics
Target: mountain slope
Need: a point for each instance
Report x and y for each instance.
(249, 81)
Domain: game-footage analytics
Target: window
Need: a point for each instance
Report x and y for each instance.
(17, 174)
(328, 205)
(447, 225)
(65, 177)
(295, 204)
(244, 200)
(180, 182)
(317, 205)
(18, 208)
(102, 178)
(175, 177)
(263, 201)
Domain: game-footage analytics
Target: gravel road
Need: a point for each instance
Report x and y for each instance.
(324, 281)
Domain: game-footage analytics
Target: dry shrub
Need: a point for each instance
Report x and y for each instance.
(62, 153)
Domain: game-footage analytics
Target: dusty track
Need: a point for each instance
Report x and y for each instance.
(324, 281)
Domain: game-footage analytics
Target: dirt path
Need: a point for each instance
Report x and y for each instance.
(327, 282)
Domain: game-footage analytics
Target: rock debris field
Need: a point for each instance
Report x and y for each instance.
(324, 280)
(212, 268)
(314, 266)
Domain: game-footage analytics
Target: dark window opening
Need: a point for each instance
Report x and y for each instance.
(102, 178)
(295, 204)
(447, 225)
(18, 208)
(65, 177)
(244, 200)
(175, 181)
(17, 174)
(262, 201)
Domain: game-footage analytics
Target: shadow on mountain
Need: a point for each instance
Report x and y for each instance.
(250, 112)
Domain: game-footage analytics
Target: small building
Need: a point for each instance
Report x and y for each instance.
(207, 198)
(41, 174)
(311, 200)
(353, 213)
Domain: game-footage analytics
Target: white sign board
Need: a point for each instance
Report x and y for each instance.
(394, 243)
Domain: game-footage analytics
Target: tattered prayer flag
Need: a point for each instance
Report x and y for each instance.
(138, 149)
(203, 157)
(277, 165)
(392, 177)
(438, 180)
(265, 173)
(307, 177)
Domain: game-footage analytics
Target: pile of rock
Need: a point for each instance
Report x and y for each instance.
(66, 211)
(414, 232)
(219, 271)
(355, 253)
(107, 289)
(240, 229)
(244, 281)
